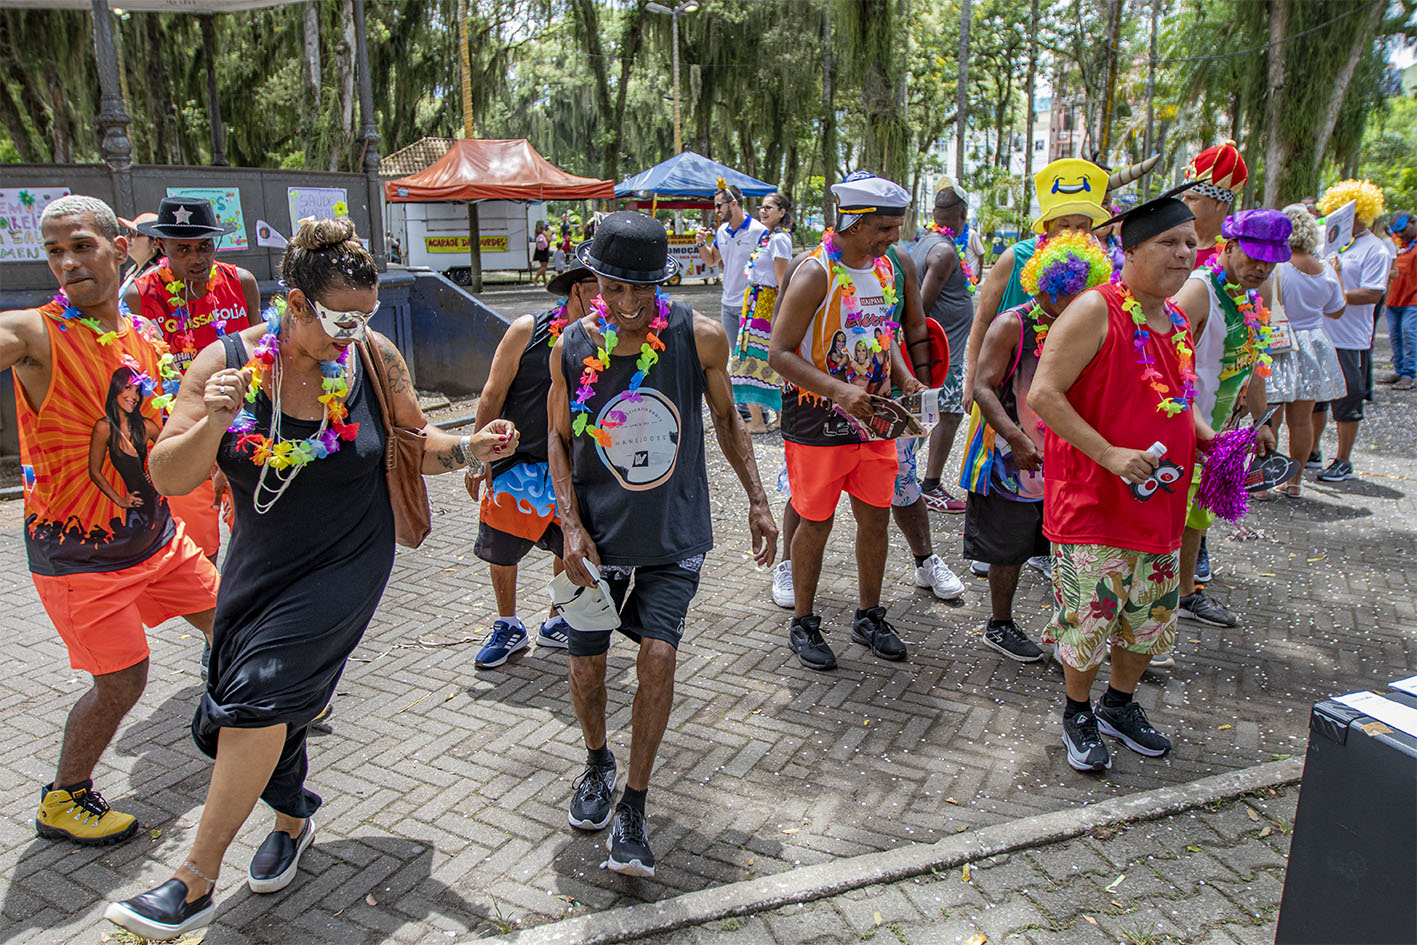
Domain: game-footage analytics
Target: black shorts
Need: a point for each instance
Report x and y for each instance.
(1357, 369)
(654, 608)
(498, 547)
(1002, 531)
(541, 255)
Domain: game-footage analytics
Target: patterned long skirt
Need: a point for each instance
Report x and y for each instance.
(753, 381)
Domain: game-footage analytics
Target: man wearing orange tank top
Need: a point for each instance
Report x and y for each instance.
(1114, 386)
(194, 300)
(104, 552)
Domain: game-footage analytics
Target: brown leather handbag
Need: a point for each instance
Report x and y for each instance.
(403, 460)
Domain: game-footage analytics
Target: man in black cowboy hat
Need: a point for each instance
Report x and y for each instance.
(518, 510)
(194, 300)
(626, 451)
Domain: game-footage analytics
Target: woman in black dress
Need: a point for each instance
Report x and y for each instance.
(310, 554)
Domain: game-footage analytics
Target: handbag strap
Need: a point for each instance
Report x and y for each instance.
(374, 373)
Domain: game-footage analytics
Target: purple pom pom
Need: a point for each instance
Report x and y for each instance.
(1222, 489)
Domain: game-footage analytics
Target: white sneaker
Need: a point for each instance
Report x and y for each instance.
(782, 593)
(937, 576)
(979, 568)
(1043, 564)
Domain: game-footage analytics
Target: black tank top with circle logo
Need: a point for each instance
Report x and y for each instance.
(644, 500)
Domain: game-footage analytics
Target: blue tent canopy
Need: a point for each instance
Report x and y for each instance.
(689, 175)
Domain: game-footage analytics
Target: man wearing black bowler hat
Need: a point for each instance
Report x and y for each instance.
(194, 300)
(626, 450)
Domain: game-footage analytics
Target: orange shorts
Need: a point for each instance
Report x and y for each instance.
(203, 522)
(100, 615)
(818, 475)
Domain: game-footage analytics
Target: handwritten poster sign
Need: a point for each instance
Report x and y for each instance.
(322, 203)
(20, 207)
(226, 204)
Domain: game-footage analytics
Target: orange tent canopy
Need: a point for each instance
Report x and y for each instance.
(495, 169)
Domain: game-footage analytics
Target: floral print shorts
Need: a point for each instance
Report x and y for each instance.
(1104, 595)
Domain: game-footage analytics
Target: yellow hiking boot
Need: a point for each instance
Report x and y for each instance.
(81, 815)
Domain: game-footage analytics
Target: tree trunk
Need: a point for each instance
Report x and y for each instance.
(310, 18)
(345, 61)
(62, 133)
(1363, 35)
(589, 22)
(10, 115)
(629, 49)
(828, 120)
(962, 90)
(213, 102)
(1032, 83)
(159, 93)
(1109, 92)
(1276, 153)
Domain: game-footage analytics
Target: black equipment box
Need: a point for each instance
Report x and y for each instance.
(1352, 873)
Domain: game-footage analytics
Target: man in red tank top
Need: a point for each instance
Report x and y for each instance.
(103, 550)
(1114, 386)
(194, 300)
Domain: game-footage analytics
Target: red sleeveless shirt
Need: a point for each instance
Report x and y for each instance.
(1084, 503)
(220, 311)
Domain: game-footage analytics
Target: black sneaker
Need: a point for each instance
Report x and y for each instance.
(1338, 471)
(804, 635)
(1315, 461)
(277, 859)
(1199, 606)
(1084, 743)
(871, 629)
(629, 844)
(590, 804)
(162, 913)
(1203, 572)
(1128, 722)
(1008, 639)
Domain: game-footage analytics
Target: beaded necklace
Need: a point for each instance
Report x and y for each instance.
(169, 378)
(1167, 401)
(1251, 308)
(177, 298)
(597, 363)
(960, 243)
(270, 452)
(850, 305)
(762, 244)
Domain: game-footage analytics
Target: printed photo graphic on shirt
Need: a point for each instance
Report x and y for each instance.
(644, 438)
(116, 503)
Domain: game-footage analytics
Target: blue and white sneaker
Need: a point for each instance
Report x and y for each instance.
(554, 632)
(505, 639)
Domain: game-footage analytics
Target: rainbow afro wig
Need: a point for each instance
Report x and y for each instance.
(1065, 265)
(1368, 195)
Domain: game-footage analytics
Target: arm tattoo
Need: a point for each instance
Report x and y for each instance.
(458, 454)
(394, 369)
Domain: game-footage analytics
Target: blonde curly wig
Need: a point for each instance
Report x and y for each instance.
(1306, 235)
(1368, 195)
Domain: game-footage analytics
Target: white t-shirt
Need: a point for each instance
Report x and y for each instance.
(764, 272)
(1365, 266)
(1307, 297)
(974, 252)
(735, 247)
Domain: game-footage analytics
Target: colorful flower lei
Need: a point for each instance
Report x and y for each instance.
(850, 305)
(558, 321)
(1064, 265)
(283, 454)
(1256, 317)
(762, 243)
(177, 298)
(961, 242)
(1167, 403)
(597, 363)
(1040, 327)
(167, 369)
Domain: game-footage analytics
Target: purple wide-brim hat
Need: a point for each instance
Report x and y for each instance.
(1262, 234)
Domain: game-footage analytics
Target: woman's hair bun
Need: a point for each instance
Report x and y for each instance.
(318, 235)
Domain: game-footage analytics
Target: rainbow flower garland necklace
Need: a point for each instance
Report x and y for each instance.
(597, 363)
(170, 380)
(288, 457)
(1251, 309)
(757, 250)
(177, 298)
(1040, 327)
(1167, 401)
(960, 243)
(851, 306)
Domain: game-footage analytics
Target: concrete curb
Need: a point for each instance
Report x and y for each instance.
(829, 879)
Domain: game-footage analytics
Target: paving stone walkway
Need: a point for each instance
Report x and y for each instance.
(1211, 876)
(446, 786)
